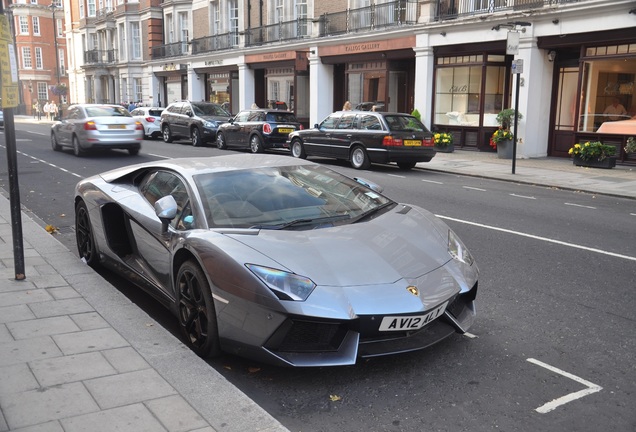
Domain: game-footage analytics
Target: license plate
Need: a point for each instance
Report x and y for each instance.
(409, 323)
(117, 126)
(412, 143)
(285, 130)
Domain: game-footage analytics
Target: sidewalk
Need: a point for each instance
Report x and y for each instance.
(77, 355)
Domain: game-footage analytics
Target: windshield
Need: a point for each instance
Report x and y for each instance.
(401, 123)
(295, 197)
(209, 109)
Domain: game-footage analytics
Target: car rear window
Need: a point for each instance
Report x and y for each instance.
(281, 118)
(156, 113)
(107, 111)
(404, 123)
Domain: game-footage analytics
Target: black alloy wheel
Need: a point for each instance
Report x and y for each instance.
(197, 316)
(84, 236)
(221, 144)
(54, 144)
(195, 135)
(77, 150)
(167, 134)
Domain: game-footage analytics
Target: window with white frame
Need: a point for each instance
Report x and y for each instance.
(135, 36)
(38, 58)
(215, 13)
(91, 8)
(59, 27)
(42, 91)
(34, 1)
(234, 21)
(35, 21)
(137, 90)
(60, 55)
(279, 11)
(301, 15)
(24, 25)
(26, 58)
(94, 43)
(81, 9)
(169, 28)
(122, 42)
(183, 26)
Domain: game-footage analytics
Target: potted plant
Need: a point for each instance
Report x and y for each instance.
(502, 138)
(444, 142)
(593, 154)
(630, 147)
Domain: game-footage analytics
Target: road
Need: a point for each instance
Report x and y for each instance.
(556, 308)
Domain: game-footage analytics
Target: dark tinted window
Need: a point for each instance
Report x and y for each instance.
(330, 122)
(404, 123)
(162, 183)
(347, 121)
(208, 109)
(281, 118)
(154, 112)
(242, 116)
(370, 122)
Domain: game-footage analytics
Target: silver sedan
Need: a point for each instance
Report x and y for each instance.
(279, 259)
(86, 127)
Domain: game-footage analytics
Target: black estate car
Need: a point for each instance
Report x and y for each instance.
(257, 129)
(198, 121)
(364, 137)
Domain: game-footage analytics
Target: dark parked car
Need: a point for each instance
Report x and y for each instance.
(198, 121)
(86, 127)
(257, 129)
(366, 137)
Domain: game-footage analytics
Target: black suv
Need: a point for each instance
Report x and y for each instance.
(365, 137)
(198, 121)
(257, 129)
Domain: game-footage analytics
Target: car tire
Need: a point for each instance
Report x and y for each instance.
(167, 134)
(256, 144)
(298, 150)
(77, 149)
(54, 144)
(195, 136)
(84, 236)
(133, 151)
(359, 158)
(406, 165)
(197, 315)
(221, 144)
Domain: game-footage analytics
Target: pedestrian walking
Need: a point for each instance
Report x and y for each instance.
(54, 111)
(47, 110)
(38, 110)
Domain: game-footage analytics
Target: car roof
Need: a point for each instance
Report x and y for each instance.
(189, 167)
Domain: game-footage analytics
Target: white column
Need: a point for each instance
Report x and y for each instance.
(532, 141)
(196, 85)
(320, 88)
(246, 87)
(424, 66)
(156, 90)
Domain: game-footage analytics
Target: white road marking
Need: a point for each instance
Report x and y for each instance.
(522, 196)
(555, 403)
(49, 164)
(159, 156)
(474, 188)
(545, 239)
(470, 335)
(579, 205)
(396, 176)
(432, 181)
(632, 214)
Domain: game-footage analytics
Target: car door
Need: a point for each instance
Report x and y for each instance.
(234, 134)
(344, 135)
(68, 124)
(153, 246)
(182, 114)
(317, 141)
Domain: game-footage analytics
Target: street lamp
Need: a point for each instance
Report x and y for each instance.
(53, 8)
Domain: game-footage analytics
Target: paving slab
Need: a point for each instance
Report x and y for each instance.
(22, 351)
(89, 340)
(42, 327)
(133, 418)
(66, 369)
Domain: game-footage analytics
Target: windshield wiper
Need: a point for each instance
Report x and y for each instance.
(295, 222)
(371, 212)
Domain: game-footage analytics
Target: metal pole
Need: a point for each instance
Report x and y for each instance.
(57, 60)
(514, 136)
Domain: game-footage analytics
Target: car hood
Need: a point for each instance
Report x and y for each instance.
(401, 244)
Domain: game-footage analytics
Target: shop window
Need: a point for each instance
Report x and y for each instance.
(607, 92)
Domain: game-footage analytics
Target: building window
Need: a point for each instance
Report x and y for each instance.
(26, 58)
(170, 28)
(234, 21)
(59, 27)
(216, 18)
(136, 40)
(279, 11)
(42, 91)
(91, 8)
(137, 89)
(81, 8)
(122, 42)
(24, 25)
(301, 15)
(35, 21)
(38, 58)
(60, 55)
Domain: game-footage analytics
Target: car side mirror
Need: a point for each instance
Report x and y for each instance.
(188, 113)
(166, 210)
(316, 126)
(368, 183)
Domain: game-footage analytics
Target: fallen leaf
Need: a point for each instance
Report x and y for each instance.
(253, 369)
(51, 229)
(334, 398)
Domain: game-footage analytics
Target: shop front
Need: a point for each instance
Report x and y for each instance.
(472, 84)
(593, 91)
(373, 74)
(173, 82)
(281, 81)
(221, 83)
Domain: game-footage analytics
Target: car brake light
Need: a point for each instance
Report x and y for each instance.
(139, 126)
(267, 128)
(90, 125)
(428, 142)
(389, 141)
(150, 119)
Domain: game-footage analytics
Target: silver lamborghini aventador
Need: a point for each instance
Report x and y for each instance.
(279, 259)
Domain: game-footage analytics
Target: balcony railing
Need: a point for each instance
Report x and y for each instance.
(378, 16)
(170, 50)
(104, 13)
(283, 31)
(215, 43)
(449, 9)
(95, 57)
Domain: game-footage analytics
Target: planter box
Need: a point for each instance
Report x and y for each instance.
(607, 163)
(504, 149)
(445, 149)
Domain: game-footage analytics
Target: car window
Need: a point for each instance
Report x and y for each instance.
(256, 116)
(136, 112)
(330, 122)
(159, 184)
(404, 123)
(281, 118)
(154, 112)
(347, 121)
(107, 111)
(208, 109)
(370, 122)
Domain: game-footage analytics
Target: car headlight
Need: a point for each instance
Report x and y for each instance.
(210, 124)
(457, 250)
(286, 286)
